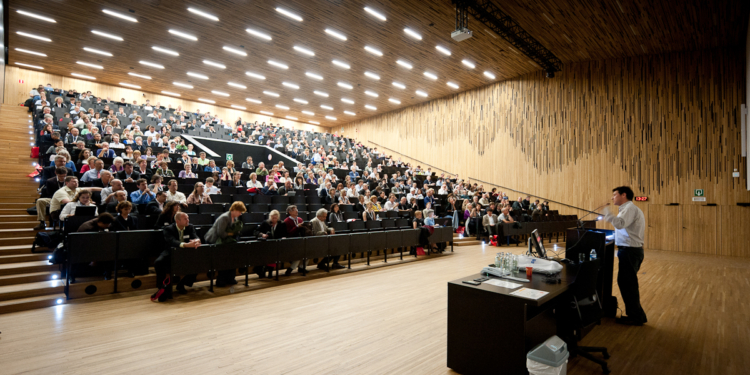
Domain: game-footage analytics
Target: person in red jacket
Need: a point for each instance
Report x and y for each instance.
(293, 229)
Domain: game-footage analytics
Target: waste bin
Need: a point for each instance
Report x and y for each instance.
(548, 358)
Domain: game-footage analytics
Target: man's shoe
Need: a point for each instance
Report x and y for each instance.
(626, 320)
(220, 284)
(181, 289)
(232, 281)
(41, 226)
(323, 267)
(288, 272)
(337, 266)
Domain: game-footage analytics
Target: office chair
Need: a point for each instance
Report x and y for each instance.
(585, 312)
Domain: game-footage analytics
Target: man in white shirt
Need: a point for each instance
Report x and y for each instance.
(174, 195)
(630, 225)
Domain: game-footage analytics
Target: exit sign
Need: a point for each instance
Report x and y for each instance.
(641, 199)
(698, 193)
(20, 81)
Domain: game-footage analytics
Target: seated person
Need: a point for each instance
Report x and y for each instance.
(199, 196)
(180, 234)
(82, 198)
(270, 229)
(156, 206)
(124, 221)
(319, 228)
(489, 222)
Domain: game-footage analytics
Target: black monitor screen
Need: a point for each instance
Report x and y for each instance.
(538, 244)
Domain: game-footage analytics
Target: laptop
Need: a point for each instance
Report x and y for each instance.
(85, 211)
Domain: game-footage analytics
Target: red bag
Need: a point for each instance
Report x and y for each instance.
(420, 251)
(493, 241)
(252, 190)
(460, 230)
(34, 152)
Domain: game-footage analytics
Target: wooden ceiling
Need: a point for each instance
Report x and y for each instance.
(573, 30)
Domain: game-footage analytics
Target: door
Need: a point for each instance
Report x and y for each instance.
(699, 229)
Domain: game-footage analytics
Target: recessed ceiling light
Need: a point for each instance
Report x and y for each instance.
(373, 51)
(207, 100)
(30, 52)
(235, 51)
(164, 50)
(98, 52)
(421, 93)
(331, 118)
(468, 63)
(489, 75)
(345, 100)
(290, 85)
(30, 66)
(130, 85)
(215, 64)
(412, 34)
(298, 100)
(392, 100)
(106, 35)
(404, 64)
(153, 65)
(82, 76)
(237, 85)
(375, 13)
(371, 93)
(256, 101)
(309, 113)
(443, 50)
(345, 85)
(304, 50)
(183, 35)
(372, 75)
(259, 34)
(371, 107)
(291, 118)
(33, 36)
(271, 93)
(267, 113)
(336, 34)
(196, 75)
(170, 93)
(320, 93)
(220, 93)
(90, 65)
(350, 113)
(255, 75)
(119, 15)
(238, 107)
(289, 14)
(326, 107)
(139, 75)
(451, 84)
(203, 14)
(185, 85)
(430, 75)
(314, 76)
(399, 85)
(278, 64)
(34, 15)
(341, 64)
(282, 107)
(314, 122)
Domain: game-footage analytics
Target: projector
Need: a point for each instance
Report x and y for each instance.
(461, 34)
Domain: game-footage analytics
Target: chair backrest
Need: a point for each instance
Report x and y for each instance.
(244, 198)
(378, 240)
(373, 225)
(92, 247)
(201, 219)
(388, 223)
(190, 209)
(223, 198)
(262, 199)
(338, 244)
(229, 256)
(394, 239)
(135, 244)
(411, 237)
(340, 226)
(316, 247)
(391, 214)
(72, 223)
(187, 260)
(280, 199)
(348, 215)
(261, 253)
(253, 217)
(291, 249)
(359, 242)
(259, 207)
(211, 208)
(356, 225)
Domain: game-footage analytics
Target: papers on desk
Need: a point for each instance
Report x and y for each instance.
(529, 293)
(502, 283)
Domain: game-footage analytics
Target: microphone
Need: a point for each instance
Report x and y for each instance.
(580, 221)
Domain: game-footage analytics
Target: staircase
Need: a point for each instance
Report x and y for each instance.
(465, 241)
(27, 280)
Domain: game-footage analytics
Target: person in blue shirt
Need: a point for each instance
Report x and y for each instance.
(353, 174)
(430, 198)
(143, 195)
(211, 167)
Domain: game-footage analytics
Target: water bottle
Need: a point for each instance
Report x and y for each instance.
(497, 260)
(592, 256)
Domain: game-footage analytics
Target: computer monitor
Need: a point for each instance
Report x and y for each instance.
(537, 245)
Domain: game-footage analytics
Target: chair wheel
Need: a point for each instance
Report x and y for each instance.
(606, 355)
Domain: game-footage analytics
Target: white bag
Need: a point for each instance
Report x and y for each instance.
(540, 265)
(536, 368)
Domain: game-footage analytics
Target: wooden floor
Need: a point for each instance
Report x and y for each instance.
(389, 320)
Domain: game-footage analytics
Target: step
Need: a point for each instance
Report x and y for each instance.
(19, 224)
(31, 303)
(27, 267)
(17, 250)
(21, 258)
(15, 211)
(31, 277)
(17, 218)
(14, 241)
(25, 202)
(19, 232)
(467, 243)
(35, 289)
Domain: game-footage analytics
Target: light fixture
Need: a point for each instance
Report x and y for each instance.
(59, 301)
(33, 36)
(82, 76)
(291, 118)
(412, 34)
(331, 118)
(197, 75)
(185, 85)
(375, 13)
(30, 66)
(139, 75)
(373, 51)
(303, 101)
(309, 113)
(282, 107)
(396, 101)
(421, 93)
(451, 84)
(304, 50)
(207, 100)
(404, 64)
(314, 122)
(314, 76)
(489, 75)
(271, 93)
(256, 101)
(289, 14)
(119, 15)
(336, 34)
(267, 113)
(430, 75)
(372, 75)
(341, 64)
(345, 85)
(443, 50)
(350, 113)
(90, 65)
(371, 93)
(132, 86)
(215, 64)
(220, 93)
(170, 93)
(326, 107)
(237, 85)
(278, 64)
(235, 51)
(106, 35)
(238, 107)
(290, 85)
(98, 52)
(399, 85)
(259, 34)
(164, 50)
(371, 107)
(255, 75)
(153, 65)
(320, 93)
(183, 35)
(468, 63)
(348, 101)
(34, 15)
(30, 52)
(203, 14)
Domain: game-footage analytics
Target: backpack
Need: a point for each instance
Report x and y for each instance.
(50, 240)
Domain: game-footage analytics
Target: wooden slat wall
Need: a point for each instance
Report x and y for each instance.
(16, 92)
(663, 124)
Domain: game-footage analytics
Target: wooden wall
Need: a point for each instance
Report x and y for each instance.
(663, 124)
(16, 92)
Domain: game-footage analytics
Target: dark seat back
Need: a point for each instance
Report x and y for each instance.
(411, 237)
(223, 198)
(92, 247)
(137, 244)
(229, 256)
(188, 260)
(359, 242)
(316, 247)
(378, 240)
(211, 208)
(394, 239)
(338, 244)
(291, 249)
(261, 253)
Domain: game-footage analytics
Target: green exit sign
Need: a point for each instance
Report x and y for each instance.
(698, 193)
